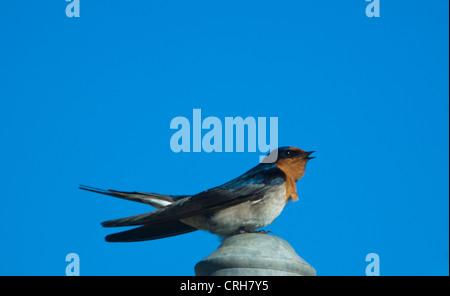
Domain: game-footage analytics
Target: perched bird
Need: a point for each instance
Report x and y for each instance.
(245, 204)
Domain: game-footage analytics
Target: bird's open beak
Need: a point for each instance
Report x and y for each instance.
(308, 153)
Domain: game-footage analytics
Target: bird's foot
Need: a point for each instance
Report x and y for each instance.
(244, 230)
(263, 231)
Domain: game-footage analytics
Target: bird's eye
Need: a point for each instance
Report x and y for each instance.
(288, 153)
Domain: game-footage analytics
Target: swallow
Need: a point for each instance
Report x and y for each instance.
(244, 204)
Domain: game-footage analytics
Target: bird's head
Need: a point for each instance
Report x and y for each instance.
(292, 160)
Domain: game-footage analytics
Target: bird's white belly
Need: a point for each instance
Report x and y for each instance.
(249, 215)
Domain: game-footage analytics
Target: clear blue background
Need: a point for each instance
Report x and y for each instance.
(89, 101)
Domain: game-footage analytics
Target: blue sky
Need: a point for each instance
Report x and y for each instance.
(89, 100)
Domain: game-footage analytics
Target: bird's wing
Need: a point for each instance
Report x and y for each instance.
(202, 203)
(249, 187)
(150, 232)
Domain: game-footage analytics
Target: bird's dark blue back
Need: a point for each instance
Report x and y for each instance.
(266, 173)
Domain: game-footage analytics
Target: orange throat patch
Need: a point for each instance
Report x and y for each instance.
(294, 170)
(291, 190)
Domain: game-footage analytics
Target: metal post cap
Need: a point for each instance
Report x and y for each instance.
(254, 254)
